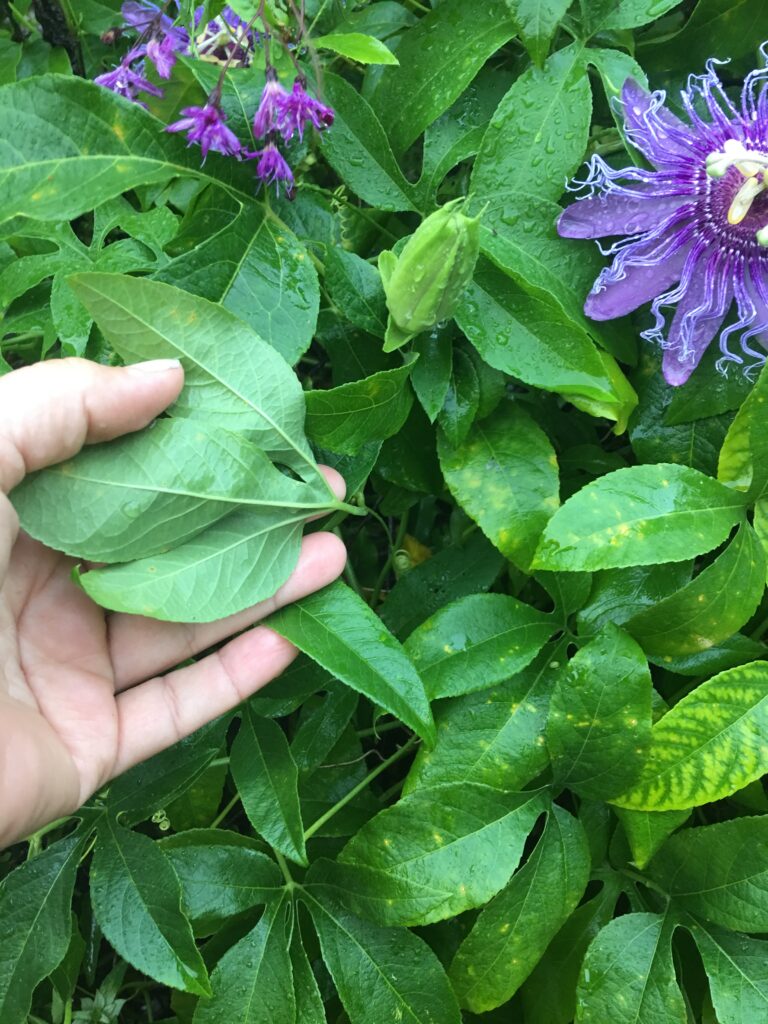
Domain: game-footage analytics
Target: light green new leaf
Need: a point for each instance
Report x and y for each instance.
(338, 630)
(538, 135)
(221, 874)
(381, 974)
(719, 872)
(504, 475)
(642, 515)
(495, 737)
(737, 969)
(436, 853)
(438, 58)
(711, 744)
(137, 902)
(357, 46)
(710, 608)
(148, 492)
(358, 149)
(628, 975)
(245, 384)
(253, 981)
(744, 455)
(35, 910)
(267, 780)
(599, 725)
(475, 642)
(343, 419)
(512, 932)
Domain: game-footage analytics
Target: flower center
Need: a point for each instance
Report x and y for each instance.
(752, 165)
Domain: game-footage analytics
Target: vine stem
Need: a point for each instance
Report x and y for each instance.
(282, 863)
(220, 817)
(400, 752)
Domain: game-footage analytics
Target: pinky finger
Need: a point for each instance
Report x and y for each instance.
(163, 710)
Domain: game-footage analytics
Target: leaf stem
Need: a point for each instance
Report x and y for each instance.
(220, 817)
(395, 546)
(400, 752)
(282, 863)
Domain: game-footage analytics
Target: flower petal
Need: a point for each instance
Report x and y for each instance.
(661, 136)
(641, 283)
(699, 314)
(615, 215)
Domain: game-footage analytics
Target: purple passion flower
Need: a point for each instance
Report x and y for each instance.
(205, 125)
(127, 81)
(695, 228)
(298, 108)
(272, 167)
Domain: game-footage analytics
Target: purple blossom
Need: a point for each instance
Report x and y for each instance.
(162, 53)
(298, 108)
(147, 17)
(127, 81)
(205, 125)
(272, 167)
(695, 228)
(224, 38)
(268, 113)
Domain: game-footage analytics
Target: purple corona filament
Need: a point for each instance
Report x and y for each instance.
(297, 109)
(272, 167)
(693, 232)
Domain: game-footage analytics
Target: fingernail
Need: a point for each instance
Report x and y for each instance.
(156, 366)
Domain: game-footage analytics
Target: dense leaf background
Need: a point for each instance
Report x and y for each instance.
(516, 772)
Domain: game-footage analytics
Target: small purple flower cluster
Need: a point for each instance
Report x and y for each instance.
(280, 114)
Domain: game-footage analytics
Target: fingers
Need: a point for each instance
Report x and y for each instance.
(50, 410)
(140, 647)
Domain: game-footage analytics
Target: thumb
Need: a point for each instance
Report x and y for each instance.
(50, 410)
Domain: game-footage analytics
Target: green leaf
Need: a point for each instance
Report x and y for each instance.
(145, 493)
(504, 476)
(359, 151)
(221, 874)
(601, 15)
(710, 608)
(737, 973)
(599, 726)
(628, 975)
(743, 455)
(438, 58)
(253, 981)
(618, 594)
(321, 727)
(340, 632)
(538, 135)
(436, 853)
(458, 570)
(382, 974)
(709, 745)
(642, 515)
(549, 994)
(733, 24)
(530, 337)
(309, 1002)
(37, 924)
(355, 287)
(267, 780)
(248, 385)
(475, 642)
(495, 737)
(538, 21)
(78, 145)
(362, 48)
(233, 253)
(349, 416)
(647, 831)
(719, 872)
(136, 794)
(431, 376)
(136, 899)
(514, 929)
(462, 399)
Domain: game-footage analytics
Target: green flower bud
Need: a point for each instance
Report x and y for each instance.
(425, 282)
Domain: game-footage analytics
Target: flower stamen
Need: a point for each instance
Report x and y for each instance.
(744, 198)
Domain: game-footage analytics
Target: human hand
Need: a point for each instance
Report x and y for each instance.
(81, 699)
